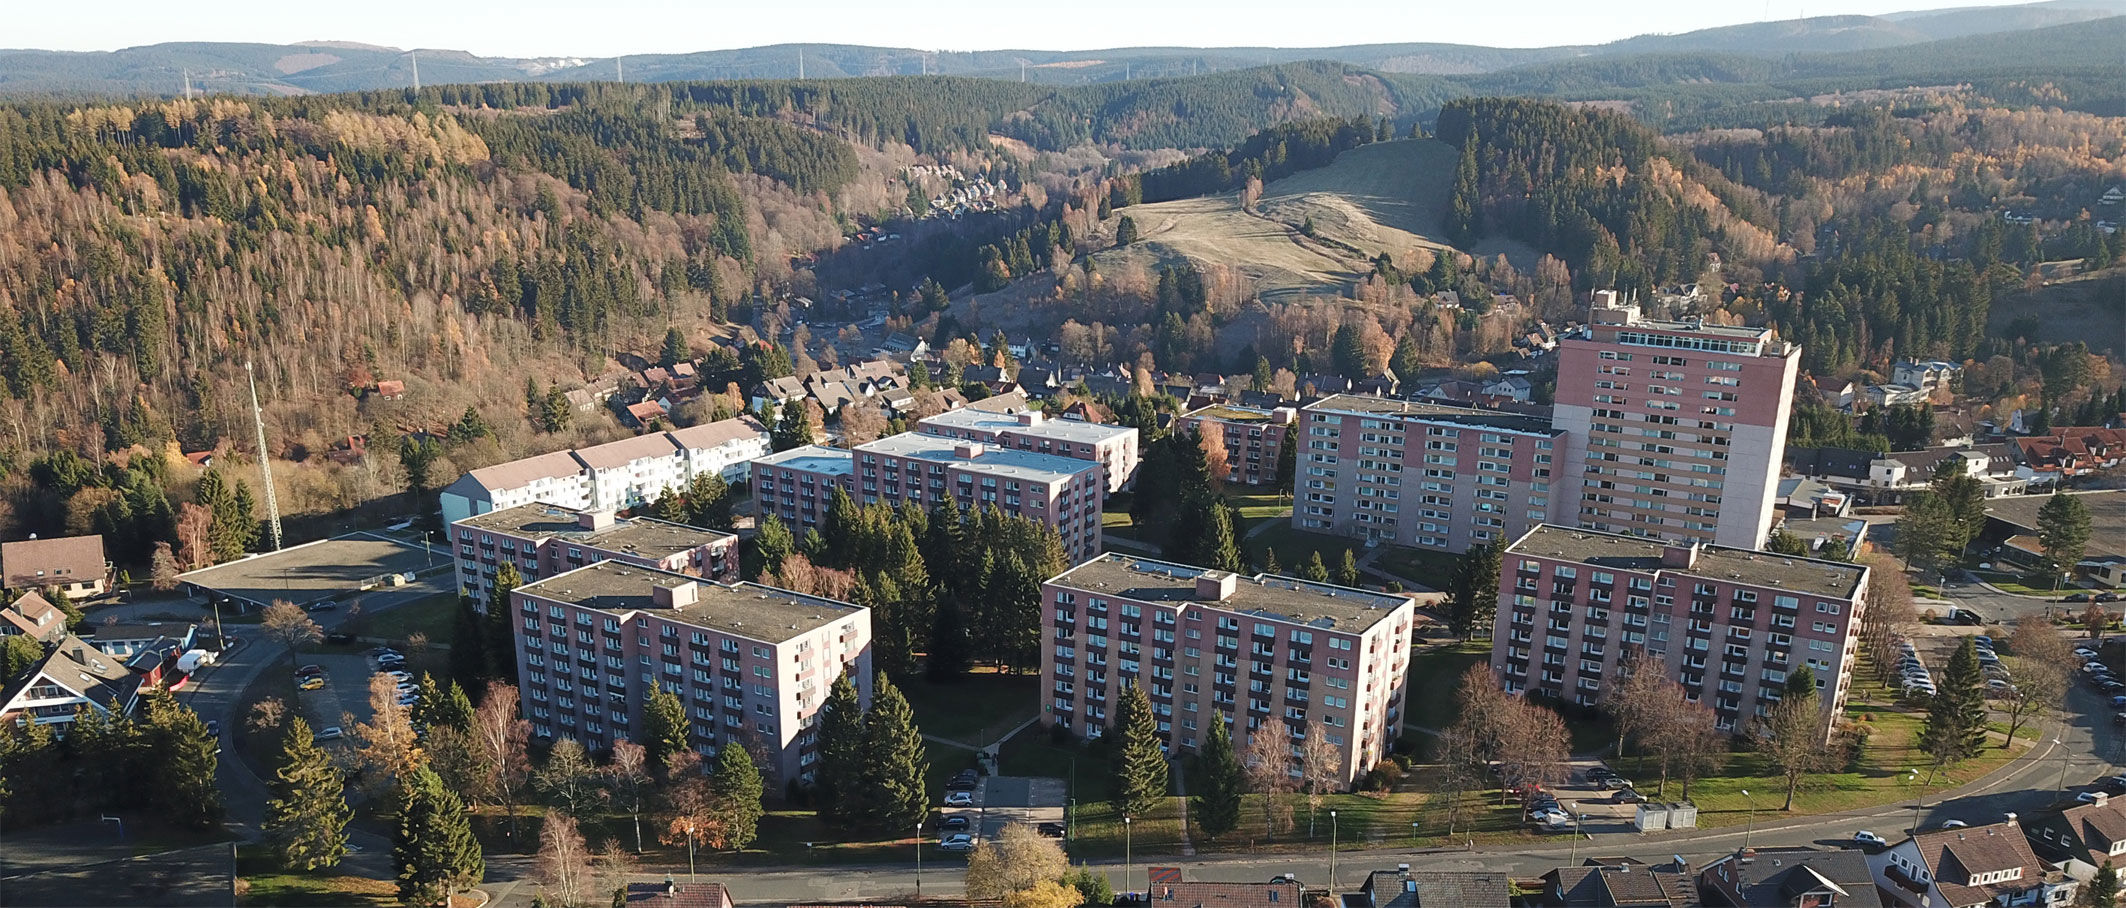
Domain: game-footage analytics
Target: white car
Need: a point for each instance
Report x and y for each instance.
(958, 841)
(1870, 841)
(959, 799)
(401, 677)
(328, 733)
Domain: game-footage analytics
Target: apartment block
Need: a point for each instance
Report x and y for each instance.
(1422, 475)
(1728, 624)
(1253, 438)
(1674, 430)
(545, 539)
(751, 663)
(1274, 655)
(1062, 492)
(628, 473)
(1114, 447)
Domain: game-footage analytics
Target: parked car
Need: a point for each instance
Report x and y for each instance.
(322, 605)
(2075, 597)
(958, 841)
(213, 728)
(401, 677)
(959, 799)
(328, 733)
(312, 682)
(311, 669)
(1051, 830)
(1869, 842)
(1627, 796)
(339, 637)
(953, 823)
(2104, 597)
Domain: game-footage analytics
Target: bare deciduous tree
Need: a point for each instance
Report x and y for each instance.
(287, 624)
(2038, 671)
(267, 715)
(1320, 772)
(499, 738)
(1792, 737)
(1267, 763)
(385, 745)
(564, 862)
(1633, 701)
(627, 778)
(1889, 610)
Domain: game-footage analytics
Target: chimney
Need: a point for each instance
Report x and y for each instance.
(594, 520)
(1030, 418)
(967, 450)
(671, 889)
(1679, 556)
(1215, 586)
(676, 595)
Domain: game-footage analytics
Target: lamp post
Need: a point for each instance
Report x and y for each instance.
(919, 859)
(690, 853)
(2063, 763)
(1413, 835)
(1332, 851)
(1574, 857)
(1126, 873)
(1751, 826)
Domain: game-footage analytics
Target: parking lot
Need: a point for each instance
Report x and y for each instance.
(344, 700)
(1002, 800)
(327, 569)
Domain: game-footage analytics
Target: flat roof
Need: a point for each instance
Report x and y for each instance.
(1634, 553)
(1287, 599)
(750, 610)
(1232, 413)
(995, 460)
(637, 535)
(813, 459)
(325, 569)
(2107, 517)
(1368, 405)
(1075, 430)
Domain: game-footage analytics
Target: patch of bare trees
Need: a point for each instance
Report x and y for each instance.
(2039, 672)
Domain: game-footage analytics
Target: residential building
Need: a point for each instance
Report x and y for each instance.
(1888, 478)
(545, 539)
(71, 675)
(2012, 524)
(669, 894)
(2094, 833)
(1283, 892)
(33, 616)
(618, 475)
(1060, 492)
(1728, 624)
(1673, 429)
(1612, 885)
(1790, 877)
(2072, 451)
(74, 565)
(1423, 475)
(128, 640)
(752, 663)
(1406, 888)
(1114, 447)
(1254, 438)
(1274, 655)
(1928, 376)
(1968, 867)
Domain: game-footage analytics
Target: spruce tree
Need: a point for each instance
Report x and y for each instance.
(664, 726)
(1347, 573)
(1218, 548)
(1138, 774)
(180, 777)
(1315, 569)
(434, 848)
(306, 819)
(1956, 719)
(891, 792)
(763, 554)
(841, 749)
(468, 645)
(2063, 530)
(2102, 890)
(1269, 561)
(951, 652)
(734, 796)
(1220, 785)
(675, 348)
(501, 637)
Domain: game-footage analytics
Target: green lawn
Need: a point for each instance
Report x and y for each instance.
(263, 883)
(977, 710)
(1435, 676)
(2014, 583)
(1294, 547)
(1259, 506)
(1431, 568)
(432, 616)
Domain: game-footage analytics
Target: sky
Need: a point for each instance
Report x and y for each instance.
(537, 28)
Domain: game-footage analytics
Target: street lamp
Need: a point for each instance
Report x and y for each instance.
(690, 853)
(918, 858)
(1752, 825)
(1413, 834)
(1574, 858)
(1126, 873)
(1332, 850)
(2063, 763)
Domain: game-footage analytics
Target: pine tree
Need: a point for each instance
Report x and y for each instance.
(1465, 214)
(1315, 569)
(180, 778)
(891, 792)
(468, 662)
(501, 632)
(434, 848)
(664, 726)
(1139, 769)
(1125, 231)
(841, 750)
(2063, 530)
(675, 348)
(306, 819)
(1269, 561)
(1220, 784)
(1347, 573)
(2102, 890)
(1472, 591)
(791, 429)
(1218, 549)
(1956, 719)
(734, 793)
(951, 652)
(763, 554)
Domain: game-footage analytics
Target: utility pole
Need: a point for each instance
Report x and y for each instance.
(800, 62)
(265, 463)
(619, 71)
(416, 69)
(188, 85)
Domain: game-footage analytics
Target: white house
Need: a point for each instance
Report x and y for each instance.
(723, 448)
(1926, 376)
(618, 475)
(71, 675)
(1969, 867)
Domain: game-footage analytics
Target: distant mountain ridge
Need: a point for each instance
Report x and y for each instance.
(334, 66)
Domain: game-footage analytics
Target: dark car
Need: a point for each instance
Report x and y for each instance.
(2075, 597)
(954, 824)
(326, 605)
(2104, 597)
(1051, 830)
(1627, 796)
(341, 637)
(213, 727)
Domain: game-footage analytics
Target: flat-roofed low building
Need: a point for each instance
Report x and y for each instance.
(1728, 624)
(751, 663)
(1254, 438)
(1115, 447)
(1274, 655)
(545, 539)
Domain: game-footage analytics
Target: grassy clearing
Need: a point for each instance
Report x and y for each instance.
(2014, 584)
(977, 710)
(1294, 547)
(1425, 566)
(1435, 675)
(431, 616)
(263, 882)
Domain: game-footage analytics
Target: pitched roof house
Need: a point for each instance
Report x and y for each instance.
(75, 564)
(669, 894)
(31, 615)
(1790, 877)
(1968, 867)
(72, 674)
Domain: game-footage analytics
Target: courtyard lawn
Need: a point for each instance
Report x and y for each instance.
(432, 616)
(977, 710)
(1425, 566)
(1435, 676)
(1295, 546)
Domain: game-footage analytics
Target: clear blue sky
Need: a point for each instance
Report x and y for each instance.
(609, 27)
